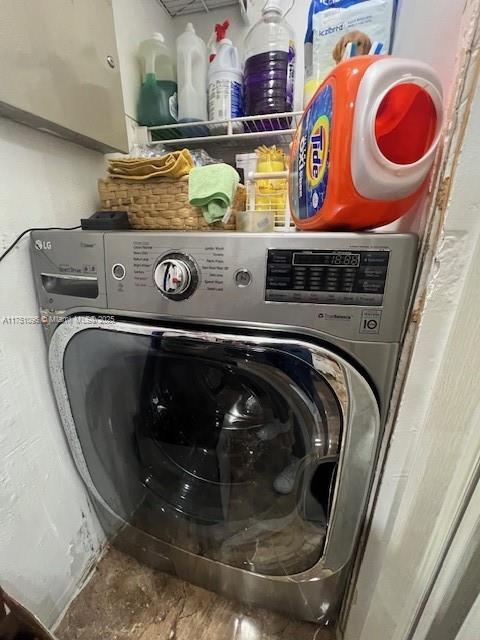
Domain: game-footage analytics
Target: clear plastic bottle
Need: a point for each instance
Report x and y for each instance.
(270, 65)
(192, 68)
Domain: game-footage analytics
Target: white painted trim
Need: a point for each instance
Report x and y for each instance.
(471, 624)
(456, 587)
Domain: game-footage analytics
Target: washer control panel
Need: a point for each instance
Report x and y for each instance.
(326, 277)
(346, 285)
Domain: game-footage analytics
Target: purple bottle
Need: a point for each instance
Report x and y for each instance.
(269, 69)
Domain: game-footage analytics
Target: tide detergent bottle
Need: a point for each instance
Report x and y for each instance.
(365, 145)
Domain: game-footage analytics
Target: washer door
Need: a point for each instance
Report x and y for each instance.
(228, 446)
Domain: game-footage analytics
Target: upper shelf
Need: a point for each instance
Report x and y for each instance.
(237, 133)
(184, 7)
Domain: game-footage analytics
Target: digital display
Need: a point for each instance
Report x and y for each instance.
(332, 276)
(327, 259)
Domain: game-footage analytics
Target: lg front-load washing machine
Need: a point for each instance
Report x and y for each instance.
(223, 396)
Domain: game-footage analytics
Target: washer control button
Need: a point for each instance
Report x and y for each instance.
(243, 278)
(118, 271)
(172, 277)
(176, 276)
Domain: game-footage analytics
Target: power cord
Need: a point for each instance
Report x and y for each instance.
(7, 251)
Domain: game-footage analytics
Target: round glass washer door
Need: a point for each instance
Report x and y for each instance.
(226, 446)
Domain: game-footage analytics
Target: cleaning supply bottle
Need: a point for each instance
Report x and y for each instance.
(225, 80)
(157, 101)
(219, 32)
(270, 65)
(365, 145)
(192, 76)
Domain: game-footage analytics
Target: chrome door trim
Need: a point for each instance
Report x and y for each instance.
(378, 359)
(359, 441)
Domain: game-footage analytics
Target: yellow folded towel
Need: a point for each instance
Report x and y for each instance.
(171, 165)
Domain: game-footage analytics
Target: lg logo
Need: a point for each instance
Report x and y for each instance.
(43, 245)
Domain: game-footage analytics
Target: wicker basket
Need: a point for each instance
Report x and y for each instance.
(161, 203)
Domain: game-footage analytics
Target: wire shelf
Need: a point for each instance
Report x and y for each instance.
(185, 7)
(234, 133)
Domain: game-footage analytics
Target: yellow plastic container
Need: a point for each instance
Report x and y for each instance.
(271, 194)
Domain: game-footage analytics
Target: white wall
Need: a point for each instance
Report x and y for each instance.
(429, 31)
(48, 533)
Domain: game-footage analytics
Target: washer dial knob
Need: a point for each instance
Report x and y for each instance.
(176, 276)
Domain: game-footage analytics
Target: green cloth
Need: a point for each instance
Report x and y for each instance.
(212, 187)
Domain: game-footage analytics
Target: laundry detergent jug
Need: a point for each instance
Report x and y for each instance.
(365, 145)
(157, 101)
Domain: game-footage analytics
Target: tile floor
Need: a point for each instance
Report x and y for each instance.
(125, 600)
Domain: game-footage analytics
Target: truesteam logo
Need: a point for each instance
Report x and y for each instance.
(334, 316)
(43, 245)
